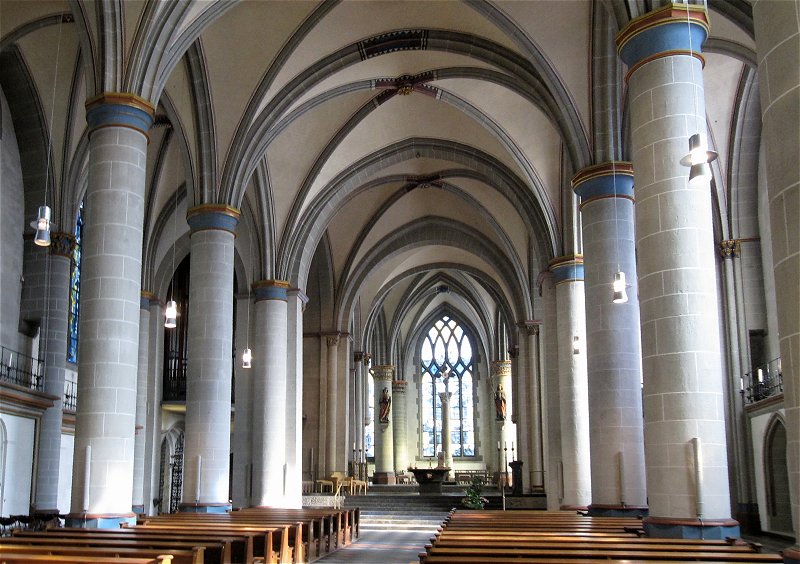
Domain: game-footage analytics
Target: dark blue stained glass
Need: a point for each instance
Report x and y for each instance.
(75, 292)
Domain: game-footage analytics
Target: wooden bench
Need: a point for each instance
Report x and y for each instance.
(191, 556)
(23, 558)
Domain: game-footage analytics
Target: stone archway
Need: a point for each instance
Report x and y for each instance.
(776, 473)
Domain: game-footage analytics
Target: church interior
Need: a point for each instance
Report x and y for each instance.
(262, 255)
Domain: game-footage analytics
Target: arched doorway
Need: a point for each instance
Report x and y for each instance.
(779, 510)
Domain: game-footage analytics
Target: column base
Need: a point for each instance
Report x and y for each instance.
(675, 528)
(791, 555)
(204, 508)
(138, 509)
(573, 508)
(37, 512)
(383, 478)
(99, 520)
(612, 510)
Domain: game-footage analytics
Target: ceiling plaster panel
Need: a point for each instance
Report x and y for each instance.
(529, 128)
(16, 13)
(132, 11)
(391, 122)
(352, 21)
(723, 28)
(720, 77)
(239, 47)
(562, 30)
(292, 154)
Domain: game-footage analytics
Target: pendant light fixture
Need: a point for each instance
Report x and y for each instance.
(171, 312)
(43, 221)
(247, 354)
(699, 155)
(620, 295)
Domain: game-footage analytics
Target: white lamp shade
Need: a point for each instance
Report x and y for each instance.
(698, 152)
(700, 173)
(247, 358)
(619, 286)
(171, 315)
(42, 226)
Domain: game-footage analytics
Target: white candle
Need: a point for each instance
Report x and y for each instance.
(87, 473)
(498, 445)
(760, 376)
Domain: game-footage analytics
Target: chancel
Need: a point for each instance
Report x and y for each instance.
(266, 262)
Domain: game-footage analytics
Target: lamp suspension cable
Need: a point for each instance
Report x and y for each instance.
(171, 313)
(619, 293)
(43, 220)
(247, 354)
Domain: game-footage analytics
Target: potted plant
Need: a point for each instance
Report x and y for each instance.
(473, 499)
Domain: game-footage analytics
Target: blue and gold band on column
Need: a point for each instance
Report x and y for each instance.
(568, 268)
(119, 109)
(146, 299)
(673, 29)
(604, 180)
(271, 290)
(213, 216)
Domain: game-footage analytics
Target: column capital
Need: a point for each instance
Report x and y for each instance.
(513, 351)
(568, 268)
(499, 368)
(358, 356)
(530, 326)
(213, 216)
(367, 358)
(147, 299)
(119, 109)
(729, 248)
(399, 386)
(62, 244)
(332, 339)
(384, 372)
(675, 29)
(270, 290)
(605, 180)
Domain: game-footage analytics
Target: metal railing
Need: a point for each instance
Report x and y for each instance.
(764, 382)
(21, 369)
(70, 395)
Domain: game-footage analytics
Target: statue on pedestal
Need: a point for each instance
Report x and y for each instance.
(386, 405)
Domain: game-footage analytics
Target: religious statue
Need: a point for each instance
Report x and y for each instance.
(386, 405)
(500, 403)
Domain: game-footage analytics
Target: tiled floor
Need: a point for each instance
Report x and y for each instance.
(388, 546)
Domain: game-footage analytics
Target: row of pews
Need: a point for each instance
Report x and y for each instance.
(522, 537)
(247, 536)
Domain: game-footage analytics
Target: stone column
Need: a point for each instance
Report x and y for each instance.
(532, 451)
(152, 447)
(269, 394)
(358, 361)
(332, 403)
(447, 439)
(384, 433)
(297, 301)
(399, 426)
(500, 376)
(685, 446)
(551, 424)
(102, 476)
(53, 343)
(573, 386)
(776, 26)
(517, 389)
(242, 470)
(140, 435)
(614, 356)
(206, 455)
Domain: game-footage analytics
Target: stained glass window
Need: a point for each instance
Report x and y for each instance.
(75, 292)
(447, 348)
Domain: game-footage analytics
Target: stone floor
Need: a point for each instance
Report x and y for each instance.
(388, 546)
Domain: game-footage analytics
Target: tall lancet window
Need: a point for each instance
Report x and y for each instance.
(369, 430)
(75, 292)
(447, 349)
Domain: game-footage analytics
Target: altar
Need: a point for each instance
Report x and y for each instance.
(430, 480)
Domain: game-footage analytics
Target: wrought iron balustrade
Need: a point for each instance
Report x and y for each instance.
(764, 382)
(70, 395)
(21, 369)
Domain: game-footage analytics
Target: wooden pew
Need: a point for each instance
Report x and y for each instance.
(17, 558)
(191, 556)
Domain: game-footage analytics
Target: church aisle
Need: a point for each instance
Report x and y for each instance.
(384, 546)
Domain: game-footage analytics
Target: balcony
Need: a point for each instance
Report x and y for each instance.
(21, 370)
(765, 382)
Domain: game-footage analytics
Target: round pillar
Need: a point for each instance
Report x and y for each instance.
(297, 301)
(384, 432)
(57, 265)
(399, 426)
(684, 424)
(613, 351)
(102, 477)
(573, 386)
(500, 376)
(332, 403)
(447, 440)
(269, 394)
(138, 504)
(206, 452)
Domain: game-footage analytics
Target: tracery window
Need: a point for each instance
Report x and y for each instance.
(75, 292)
(447, 348)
